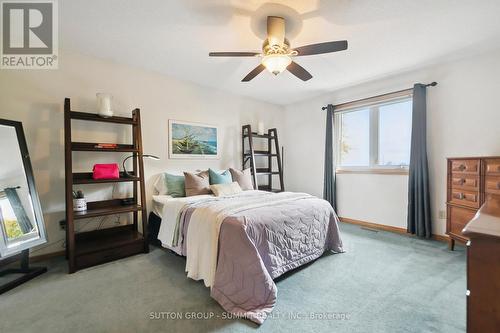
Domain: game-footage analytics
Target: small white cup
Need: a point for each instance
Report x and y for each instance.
(79, 205)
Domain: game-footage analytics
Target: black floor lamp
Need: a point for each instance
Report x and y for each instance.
(126, 173)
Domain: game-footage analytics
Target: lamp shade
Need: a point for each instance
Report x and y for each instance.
(276, 63)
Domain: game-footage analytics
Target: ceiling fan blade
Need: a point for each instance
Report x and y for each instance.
(256, 71)
(276, 30)
(320, 48)
(233, 54)
(299, 71)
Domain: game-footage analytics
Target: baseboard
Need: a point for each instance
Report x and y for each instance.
(389, 228)
(47, 256)
(365, 224)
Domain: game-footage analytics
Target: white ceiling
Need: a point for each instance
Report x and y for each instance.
(174, 37)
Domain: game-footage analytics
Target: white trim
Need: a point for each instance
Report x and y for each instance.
(374, 135)
(402, 170)
(374, 139)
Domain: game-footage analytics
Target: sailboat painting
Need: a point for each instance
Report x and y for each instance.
(192, 140)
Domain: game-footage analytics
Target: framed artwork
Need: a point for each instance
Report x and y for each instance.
(192, 140)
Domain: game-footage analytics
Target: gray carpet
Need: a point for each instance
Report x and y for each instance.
(383, 283)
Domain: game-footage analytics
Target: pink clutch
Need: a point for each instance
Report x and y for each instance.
(106, 171)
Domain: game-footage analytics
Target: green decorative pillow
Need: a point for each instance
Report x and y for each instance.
(220, 178)
(175, 185)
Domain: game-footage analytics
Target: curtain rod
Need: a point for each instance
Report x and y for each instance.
(432, 84)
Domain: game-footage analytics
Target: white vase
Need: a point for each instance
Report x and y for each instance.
(104, 105)
(260, 128)
(79, 205)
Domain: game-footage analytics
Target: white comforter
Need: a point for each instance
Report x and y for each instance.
(170, 217)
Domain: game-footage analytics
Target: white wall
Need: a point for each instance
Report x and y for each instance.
(36, 98)
(463, 120)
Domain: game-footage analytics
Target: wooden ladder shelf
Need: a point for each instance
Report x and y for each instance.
(249, 155)
(90, 248)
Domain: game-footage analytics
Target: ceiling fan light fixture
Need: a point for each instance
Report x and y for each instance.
(276, 63)
(277, 54)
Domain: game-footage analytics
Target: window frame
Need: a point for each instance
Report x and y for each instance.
(374, 138)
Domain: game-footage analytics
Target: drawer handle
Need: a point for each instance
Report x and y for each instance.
(459, 196)
(462, 167)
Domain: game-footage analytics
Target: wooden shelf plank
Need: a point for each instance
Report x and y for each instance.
(95, 117)
(268, 189)
(260, 153)
(265, 171)
(256, 135)
(92, 146)
(86, 178)
(106, 207)
(104, 239)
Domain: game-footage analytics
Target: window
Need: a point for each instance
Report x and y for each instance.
(374, 137)
(355, 138)
(12, 229)
(394, 134)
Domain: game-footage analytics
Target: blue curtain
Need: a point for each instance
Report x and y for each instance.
(330, 165)
(22, 219)
(419, 208)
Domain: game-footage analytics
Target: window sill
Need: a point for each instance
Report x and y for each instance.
(375, 171)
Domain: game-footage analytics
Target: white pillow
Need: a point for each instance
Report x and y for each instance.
(222, 190)
(160, 184)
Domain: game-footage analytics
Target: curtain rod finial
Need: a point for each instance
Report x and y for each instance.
(433, 84)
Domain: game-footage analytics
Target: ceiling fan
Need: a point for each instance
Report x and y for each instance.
(277, 55)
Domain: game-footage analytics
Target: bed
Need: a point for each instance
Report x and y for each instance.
(238, 244)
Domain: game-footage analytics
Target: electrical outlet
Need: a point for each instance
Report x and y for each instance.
(442, 214)
(62, 224)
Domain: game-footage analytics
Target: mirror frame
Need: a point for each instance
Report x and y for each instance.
(35, 201)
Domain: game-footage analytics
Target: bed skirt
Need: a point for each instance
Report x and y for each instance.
(154, 222)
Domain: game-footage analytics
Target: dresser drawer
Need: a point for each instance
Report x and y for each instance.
(465, 166)
(492, 184)
(459, 217)
(493, 167)
(465, 198)
(465, 182)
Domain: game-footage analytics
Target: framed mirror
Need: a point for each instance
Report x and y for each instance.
(21, 219)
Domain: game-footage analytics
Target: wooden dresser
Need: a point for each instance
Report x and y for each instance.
(483, 267)
(470, 181)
